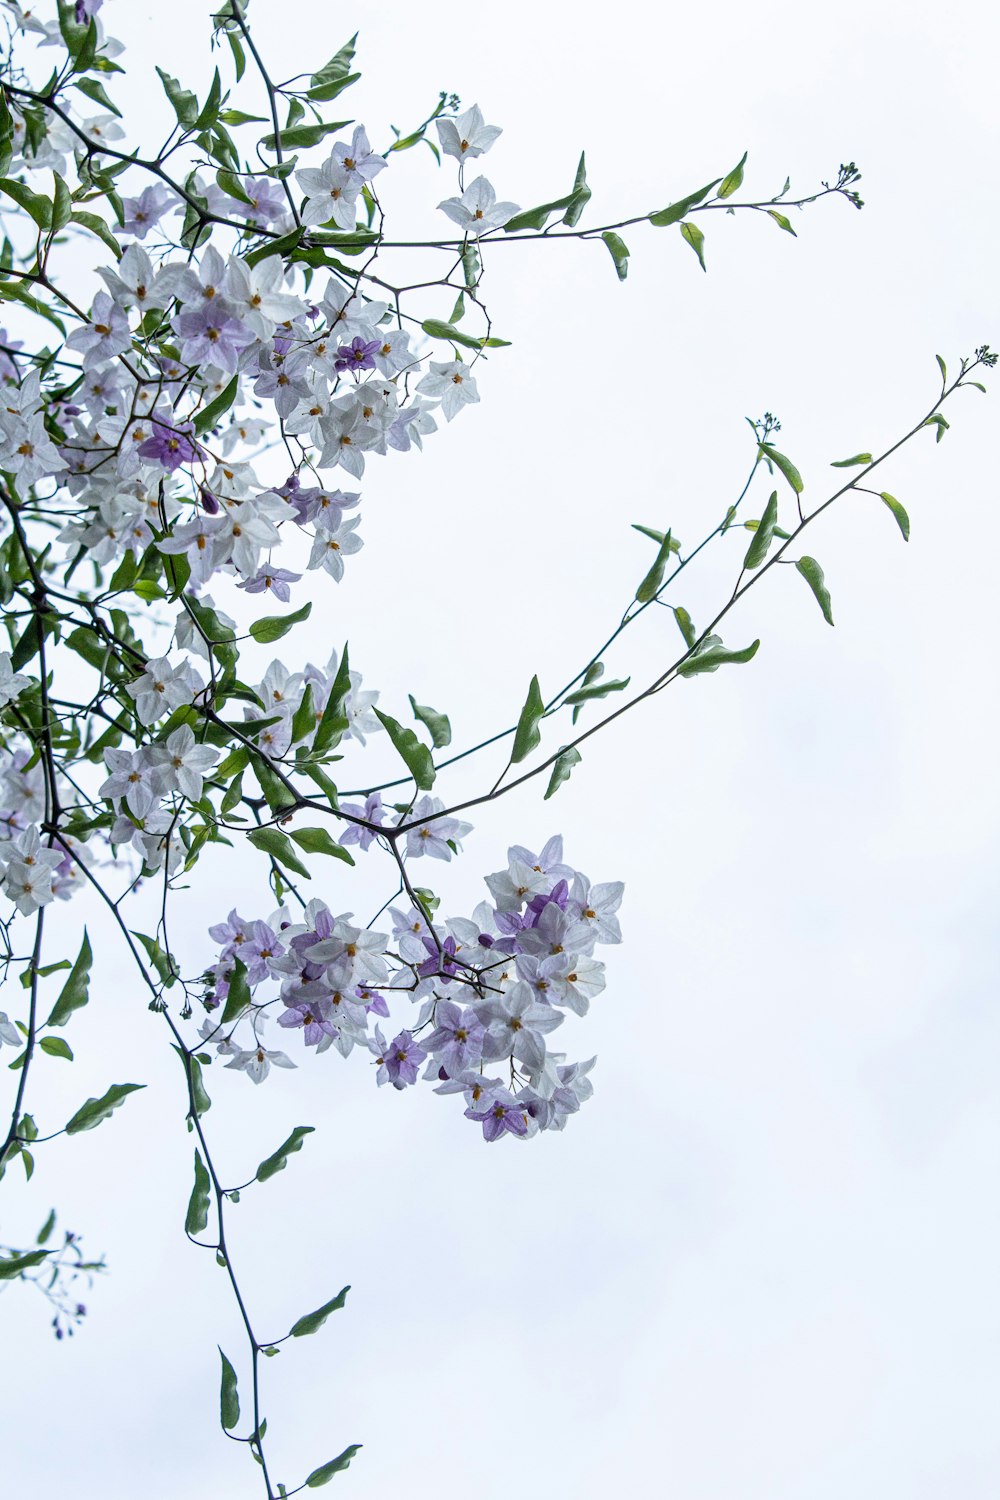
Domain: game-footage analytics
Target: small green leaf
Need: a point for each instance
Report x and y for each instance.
(56, 1046)
(438, 725)
(528, 736)
(782, 222)
(300, 137)
(902, 519)
(580, 196)
(272, 841)
(733, 180)
(314, 1320)
(417, 757)
(237, 993)
(210, 414)
(619, 252)
(684, 624)
(785, 465)
(273, 627)
(162, 962)
(47, 1228)
(97, 226)
(936, 419)
(436, 329)
(713, 655)
(562, 769)
(34, 204)
(335, 1466)
(943, 368)
(813, 575)
(599, 690)
(656, 536)
(696, 240)
(229, 1400)
(334, 718)
(850, 463)
(319, 841)
(94, 1111)
(764, 535)
(653, 581)
(74, 993)
(197, 1209)
(184, 102)
(95, 90)
(674, 212)
(62, 204)
(279, 1161)
(15, 1265)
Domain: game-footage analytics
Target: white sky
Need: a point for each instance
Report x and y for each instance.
(761, 1263)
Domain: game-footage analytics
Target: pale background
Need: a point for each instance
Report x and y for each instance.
(761, 1263)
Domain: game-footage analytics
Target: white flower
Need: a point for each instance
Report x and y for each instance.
(182, 762)
(451, 382)
(12, 683)
(331, 193)
(477, 211)
(466, 135)
(162, 688)
(256, 1062)
(8, 1031)
(28, 877)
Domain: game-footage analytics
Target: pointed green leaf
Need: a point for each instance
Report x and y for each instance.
(436, 329)
(851, 463)
(527, 735)
(684, 624)
(16, 1265)
(237, 993)
(764, 535)
(56, 1046)
(714, 655)
(47, 1228)
(902, 519)
(272, 841)
(785, 465)
(279, 1160)
(416, 755)
(319, 841)
(936, 419)
(335, 1466)
(674, 212)
(210, 414)
(619, 252)
(314, 1320)
(599, 690)
(97, 226)
(782, 222)
(813, 575)
(184, 102)
(562, 769)
(94, 1111)
(437, 724)
(95, 90)
(62, 204)
(273, 627)
(74, 993)
(334, 719)
(653, 581)
(696, 240)
(656, 536)
(197, 1210)
(733, 180)
(580, 196)
(229, 1400)
(943, 368)
(33, 203)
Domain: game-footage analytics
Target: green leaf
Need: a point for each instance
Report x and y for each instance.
(74, 993)
(273, 627)
(18, 292)
(162, 962)
(314, 1320)
(210, 109)
(764, 535)
(438, 725)
(95, 90)
(684, 624)
(338, 67)
(97, 226)
(785, 465)
(813, 575)
(436, 329)
(580, 196)
(272, 841)
(202, 1102)
(335, 1466)
(94, 1111)
(229, 1401)
(47, 1228)
(6, 135)
(184, 102)
(714, 655)
(197, 1209)
(210, 414)
(943, 368)
(849, 463)
(418, 759)
(319, 841)
(936, 419)
(619, 252)
(599, 690)
(674, 212)
(240, 62)
(279, 1161)
(237, 993)
(282, 246)
(14, 1265)
(696, 240)
(653, 581)
(62, 204)
(782, 222)
(527, 735)
(733, 180)
(565, 761)
(656, 536)
(301, 136)
(56, 1046)
(902, 519)
(34, 204)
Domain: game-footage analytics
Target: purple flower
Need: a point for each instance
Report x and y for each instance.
(85, 9)
(313, 1016)
(357, 355)
(372, 812)
(212, 337)
(274, 579)
(139, 215)
(170, 447)
(503, 1113)
(401, 1059)
(457, 1038)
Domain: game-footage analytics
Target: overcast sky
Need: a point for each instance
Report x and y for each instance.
(761, 1263)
